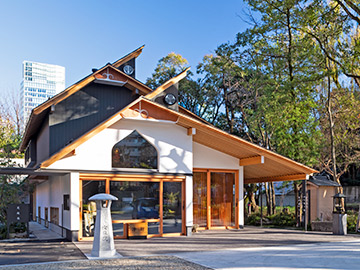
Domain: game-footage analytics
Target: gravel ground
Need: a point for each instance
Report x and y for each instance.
(130, 263)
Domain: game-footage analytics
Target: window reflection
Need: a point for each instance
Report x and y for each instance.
(172, 222)
(90, 188)
(136, 200)
(134, 152)
(199, 198)
(222, 199)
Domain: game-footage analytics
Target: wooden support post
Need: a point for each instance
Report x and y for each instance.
(161, 212)
(261, 206)
(208, 200)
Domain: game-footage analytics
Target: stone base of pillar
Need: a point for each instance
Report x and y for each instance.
(104, 255)
(189, 230)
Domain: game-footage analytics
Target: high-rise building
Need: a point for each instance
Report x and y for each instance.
(39, 83)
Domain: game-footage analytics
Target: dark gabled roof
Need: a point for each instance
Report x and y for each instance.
(323, 180)
(39, 113)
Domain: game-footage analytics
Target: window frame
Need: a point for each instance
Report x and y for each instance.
(137, 168)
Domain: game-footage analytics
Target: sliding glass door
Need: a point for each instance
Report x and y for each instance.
(214, 198)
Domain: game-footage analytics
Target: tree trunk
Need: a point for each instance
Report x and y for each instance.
(358, 221)
(268, 204)
(254, 206)
(332, 134)
(273, 201)
(296, 192)
(250, 190)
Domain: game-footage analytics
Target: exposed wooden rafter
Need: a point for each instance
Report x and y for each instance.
(191, 131)
(251, 160)
(289, 177)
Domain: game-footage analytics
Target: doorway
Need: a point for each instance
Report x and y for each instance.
(215, 197)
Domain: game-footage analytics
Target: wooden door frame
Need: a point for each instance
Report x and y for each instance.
(137, 178)
(208, 172)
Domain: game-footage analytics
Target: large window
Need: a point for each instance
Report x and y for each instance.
(90, 188)
(136, 200)
(155, 200)
(134, 151)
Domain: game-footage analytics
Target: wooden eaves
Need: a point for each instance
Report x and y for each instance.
(126, 58)
(275, 167)
(167, 84)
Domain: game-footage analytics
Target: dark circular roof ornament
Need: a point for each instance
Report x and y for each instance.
(170, 99)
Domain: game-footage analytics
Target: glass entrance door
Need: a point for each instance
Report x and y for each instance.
(199, 198)
(222, 199)
(214, 198)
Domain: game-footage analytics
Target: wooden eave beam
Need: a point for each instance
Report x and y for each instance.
(134, 83)
(251, 160)
(128, 57)
(289, 177)
(167, 84)
(191, 131)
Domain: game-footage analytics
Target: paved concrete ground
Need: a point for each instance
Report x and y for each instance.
(333, 255)
(218, 240)
(40, 232)
(35, 251)
(250, 248)
(43, 246)
(138, 263)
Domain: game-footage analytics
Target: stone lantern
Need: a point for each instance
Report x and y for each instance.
(339, 215)
(103, 244)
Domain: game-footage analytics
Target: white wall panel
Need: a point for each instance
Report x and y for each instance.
(205, 157)
(173, 144)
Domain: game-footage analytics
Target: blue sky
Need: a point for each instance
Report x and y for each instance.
(81, 35)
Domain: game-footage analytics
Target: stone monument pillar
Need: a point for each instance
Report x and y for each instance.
(103, 245)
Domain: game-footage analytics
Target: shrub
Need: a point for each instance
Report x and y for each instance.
(17, 227)
(3, 231)
(253, 219)
(278, 219)
(351, 221)
(283, 220)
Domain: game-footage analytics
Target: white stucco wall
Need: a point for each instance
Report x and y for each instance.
(173, 144)
(189, 201)
(205, 157)
(74, 201)
(50, 194)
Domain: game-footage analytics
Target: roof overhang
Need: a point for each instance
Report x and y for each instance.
(260, 165)
(28, 171)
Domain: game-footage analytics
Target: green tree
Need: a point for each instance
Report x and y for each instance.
(11, 189)
(193, 95)
(167, 68)
(285, 110)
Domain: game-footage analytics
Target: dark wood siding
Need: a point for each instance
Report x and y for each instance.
(84, 110)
